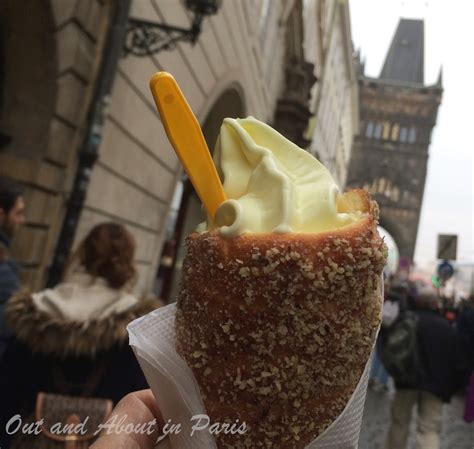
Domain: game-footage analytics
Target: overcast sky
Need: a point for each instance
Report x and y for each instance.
(448, 204)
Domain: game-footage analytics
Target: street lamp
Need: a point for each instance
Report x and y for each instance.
(146, 38)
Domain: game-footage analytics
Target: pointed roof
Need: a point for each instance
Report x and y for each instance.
(405, 59)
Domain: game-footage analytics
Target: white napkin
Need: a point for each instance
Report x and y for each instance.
(152, 338)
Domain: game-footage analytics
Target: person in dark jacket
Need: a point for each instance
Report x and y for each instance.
(12, 215)
(72, 340)
(465, 325)
(439, 378)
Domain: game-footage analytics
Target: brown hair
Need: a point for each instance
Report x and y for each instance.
(108, 252)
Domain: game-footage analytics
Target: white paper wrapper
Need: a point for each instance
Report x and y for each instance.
(172, 382)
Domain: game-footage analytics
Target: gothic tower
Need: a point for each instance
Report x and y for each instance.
(397, 115)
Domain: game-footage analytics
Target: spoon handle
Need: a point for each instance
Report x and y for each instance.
(185, 135)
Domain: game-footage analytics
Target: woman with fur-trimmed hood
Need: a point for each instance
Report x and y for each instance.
(72, 339)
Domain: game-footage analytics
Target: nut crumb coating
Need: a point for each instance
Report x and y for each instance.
(277, 328)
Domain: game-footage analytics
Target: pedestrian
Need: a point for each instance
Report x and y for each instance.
(12, 215)
(437, 379)
(379, 376)
(72, 340)
(395, 303)
(450, 309)
(465, 326)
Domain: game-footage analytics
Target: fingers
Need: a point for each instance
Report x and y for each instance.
(133, 424)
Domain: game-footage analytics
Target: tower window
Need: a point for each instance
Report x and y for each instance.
(382, 183)
(386, 130)
(369, 131)
(403, 134)
(395, 194)
(378, 130)
(395, 132)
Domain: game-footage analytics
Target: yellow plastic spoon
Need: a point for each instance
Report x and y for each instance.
(185, 134)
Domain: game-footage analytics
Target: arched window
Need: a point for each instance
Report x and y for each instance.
(403, 134)
(23, 103)
(395, 132)
(378, 130)
(369, 131)
(388, 189)
(395, 194)
(381, 185)
(373, 187)
(412, 135)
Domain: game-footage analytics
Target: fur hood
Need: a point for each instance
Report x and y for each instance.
(54, 335)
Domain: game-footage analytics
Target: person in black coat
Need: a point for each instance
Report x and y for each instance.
(442, 355)
(465, 325)
(72, 340)
(440, 376)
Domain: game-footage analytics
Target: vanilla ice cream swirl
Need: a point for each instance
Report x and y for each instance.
(271, 184)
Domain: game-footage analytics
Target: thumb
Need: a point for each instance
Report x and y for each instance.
(140, 423)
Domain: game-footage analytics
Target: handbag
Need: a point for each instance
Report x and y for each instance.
(67, 422)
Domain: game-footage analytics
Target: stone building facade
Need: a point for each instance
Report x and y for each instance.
(80, 130)
(51, 52)
(335, 101)
(398, 113)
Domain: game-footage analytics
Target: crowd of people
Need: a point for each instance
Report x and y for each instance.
(428, 351)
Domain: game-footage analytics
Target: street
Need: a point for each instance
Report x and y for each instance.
(456, 434)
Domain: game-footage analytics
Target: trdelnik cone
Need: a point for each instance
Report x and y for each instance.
(278, 309)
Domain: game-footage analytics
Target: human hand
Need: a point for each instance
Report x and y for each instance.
(137, 410)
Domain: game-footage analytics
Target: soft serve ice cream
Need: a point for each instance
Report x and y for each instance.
(271, 184)
(277, 323)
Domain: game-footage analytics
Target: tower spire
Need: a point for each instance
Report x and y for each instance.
(405, 59)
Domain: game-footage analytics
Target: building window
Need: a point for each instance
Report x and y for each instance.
(369, 131)
(395, 194)
(412, 135)
(395, 132)
(386, 130)
(378, 130)
(403, 134)
(382, 184)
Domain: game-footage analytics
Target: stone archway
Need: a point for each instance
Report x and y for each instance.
(393, 258)
(50, 56)
(29, 67)
(190, 214)
(391, 228)
(394, 220)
